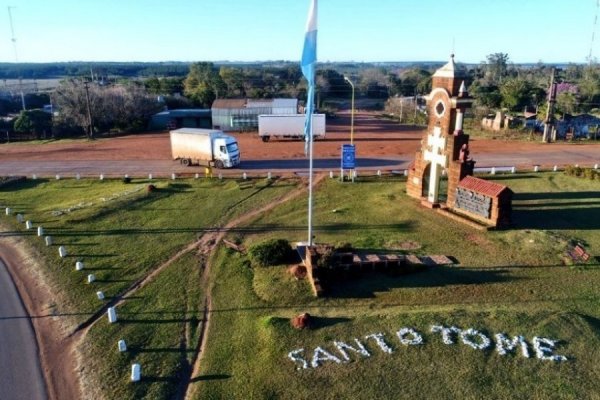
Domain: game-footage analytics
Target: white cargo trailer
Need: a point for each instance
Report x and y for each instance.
(289, 126)
(204, 147)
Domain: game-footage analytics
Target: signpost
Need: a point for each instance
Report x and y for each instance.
(348, 160)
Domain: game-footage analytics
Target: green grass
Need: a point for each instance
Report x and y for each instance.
(512, 281)
(122, 233)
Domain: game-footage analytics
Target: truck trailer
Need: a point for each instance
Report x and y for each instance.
(289, 126)
(204, 147)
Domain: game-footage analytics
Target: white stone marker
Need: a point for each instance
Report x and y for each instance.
(8, 211)
(555, 168)
(405, 172)
(62, 252)
(269, 175)
(493, 171)
(245, 176)
(101, 177)
(331, 174)
(122, 346)
(20, 218)
(28, 224)
(48, 240)
(536, 168)
(197, 176)
(220, 176)
(136, 372)
(57, 177)
(150, 176)
(34, 177)
(40, 231)
(91, 278)
(513, 170)
(173, 176)
(100, 295)
(78, 176)
(112, 315)
(378, 172)
(595, 166)
(78, 266)
(576, 165)
(126, 176)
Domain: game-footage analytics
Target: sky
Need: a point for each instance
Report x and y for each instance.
(261, 30)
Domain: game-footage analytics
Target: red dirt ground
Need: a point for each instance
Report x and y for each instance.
(373, 137)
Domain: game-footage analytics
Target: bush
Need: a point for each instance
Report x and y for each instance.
(270, 252)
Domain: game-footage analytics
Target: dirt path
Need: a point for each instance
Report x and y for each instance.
(56, 337)
(57, 353)
(212, 239)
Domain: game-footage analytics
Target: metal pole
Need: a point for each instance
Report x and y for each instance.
(351, 112)
(310, 185)
(89, 111)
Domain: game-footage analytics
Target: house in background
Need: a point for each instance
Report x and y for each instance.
(578, 126)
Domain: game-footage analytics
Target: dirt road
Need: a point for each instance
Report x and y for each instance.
(380, 144)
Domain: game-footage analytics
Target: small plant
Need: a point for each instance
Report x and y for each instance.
(270, 252)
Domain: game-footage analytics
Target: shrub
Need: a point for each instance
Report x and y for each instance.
(270, 252)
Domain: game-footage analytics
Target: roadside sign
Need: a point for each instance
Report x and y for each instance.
(348, 156)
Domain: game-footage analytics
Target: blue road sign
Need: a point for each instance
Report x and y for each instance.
(348, 156)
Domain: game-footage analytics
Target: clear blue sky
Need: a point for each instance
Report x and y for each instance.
(250, 30)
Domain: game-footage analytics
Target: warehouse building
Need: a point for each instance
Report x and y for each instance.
(242, 114)
(182, 118)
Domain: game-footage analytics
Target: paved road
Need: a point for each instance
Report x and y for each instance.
(20, 371)
(583, 155)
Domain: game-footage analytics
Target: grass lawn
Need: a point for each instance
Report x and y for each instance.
(516, 282)
(513, 282)
(122, 232)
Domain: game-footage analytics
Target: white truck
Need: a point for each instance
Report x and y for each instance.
(289, 126)
(204, 147)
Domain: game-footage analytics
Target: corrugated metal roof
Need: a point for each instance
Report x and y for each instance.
(187, 112)
(229, 103)
(262, 103)
(284, 103)
(482, 186)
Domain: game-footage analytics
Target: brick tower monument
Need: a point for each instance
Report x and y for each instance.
(444, 145)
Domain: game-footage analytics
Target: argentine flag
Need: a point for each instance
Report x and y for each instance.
(309, 65)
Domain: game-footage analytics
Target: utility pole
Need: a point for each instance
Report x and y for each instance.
(14, 42)
(89, 110)
(549, 122)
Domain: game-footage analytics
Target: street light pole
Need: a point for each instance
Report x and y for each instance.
(352, 112)
(89, 111)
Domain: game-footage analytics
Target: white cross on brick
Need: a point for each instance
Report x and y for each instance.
(434, 152)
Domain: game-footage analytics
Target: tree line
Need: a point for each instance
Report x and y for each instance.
(127, 104)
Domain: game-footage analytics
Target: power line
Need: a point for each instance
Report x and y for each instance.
(14, 42)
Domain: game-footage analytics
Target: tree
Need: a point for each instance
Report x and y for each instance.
(204, 84)
(34, 121)
(515, 93)
(496, 67)
(70, 99)
(126, 107)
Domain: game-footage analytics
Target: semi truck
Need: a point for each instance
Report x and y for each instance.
(289, 126)
(204, 147)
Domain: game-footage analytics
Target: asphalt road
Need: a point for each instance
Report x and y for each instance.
(20, 372)
(586, 156)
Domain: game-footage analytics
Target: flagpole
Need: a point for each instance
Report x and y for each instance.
(308, 64)
(310, 184)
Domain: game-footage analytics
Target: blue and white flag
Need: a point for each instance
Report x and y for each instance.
(309, 66)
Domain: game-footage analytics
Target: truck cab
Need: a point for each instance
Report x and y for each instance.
(226, 152)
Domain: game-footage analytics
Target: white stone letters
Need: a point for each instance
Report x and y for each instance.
(544, 348)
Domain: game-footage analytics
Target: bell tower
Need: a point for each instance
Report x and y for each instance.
(444, 146)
